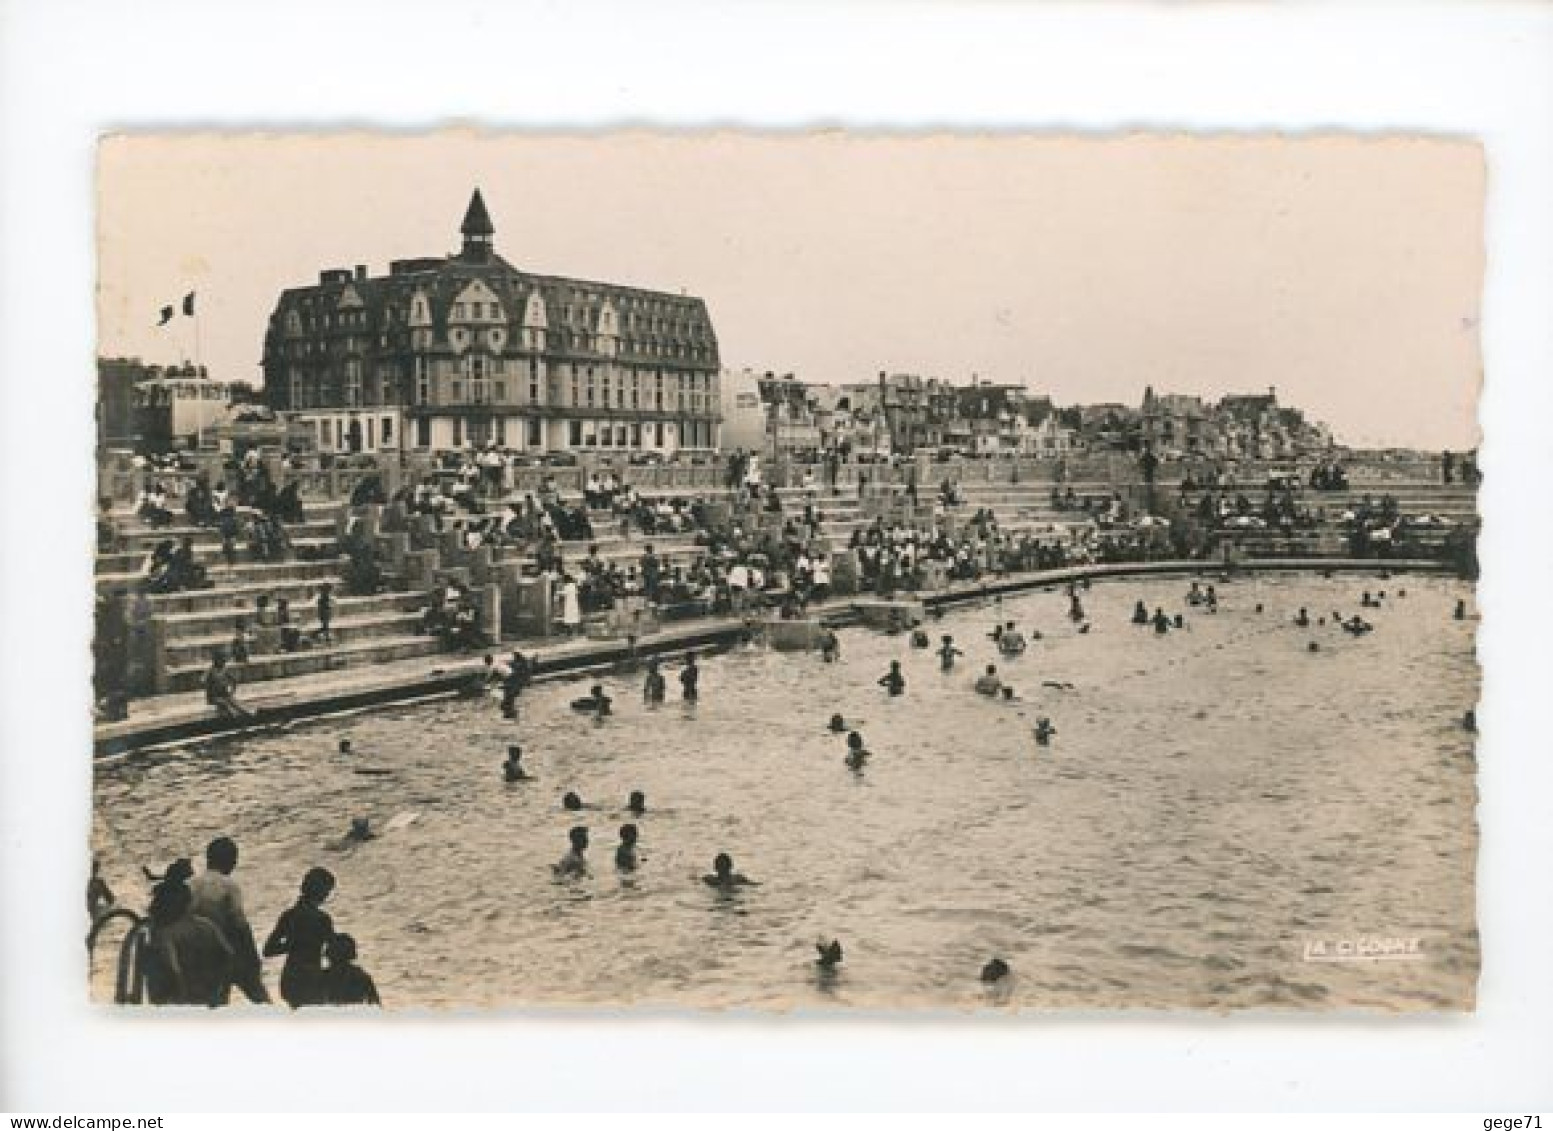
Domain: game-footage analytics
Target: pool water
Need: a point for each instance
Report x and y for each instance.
(1214, 799)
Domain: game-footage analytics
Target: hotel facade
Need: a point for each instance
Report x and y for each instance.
(466, 351)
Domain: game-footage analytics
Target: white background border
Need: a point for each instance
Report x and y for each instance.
(69, 70)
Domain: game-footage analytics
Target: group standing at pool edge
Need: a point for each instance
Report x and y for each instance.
(199, 944)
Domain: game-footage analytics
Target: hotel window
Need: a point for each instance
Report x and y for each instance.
(574, 433)
(534, 433)
(501, 431)
(458, 310)
(533, 381)
(658, 391)
(576, 388)
(458, 431)
(296, 389)
(458, 391)
(620, 394)
(588, 388)
(386, 430)
(501, 391)
(422, 382)
(636, 389)
(605, 383)
(353, 384)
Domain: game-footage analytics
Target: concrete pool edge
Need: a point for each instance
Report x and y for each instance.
(329, 693)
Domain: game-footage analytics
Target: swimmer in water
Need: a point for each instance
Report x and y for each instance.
(830, 956)
(1044, 731)
(947, 652)
(1469, 721)
(572, 803)
(1008, 694)
(512, 769)
(1180, 621)
(723, 877)
(1259, 606)
(345, 746)
(988, 682)
(1012, 642)
(830, 647)
(595, 702)
(359, 832)
(857, 754)
(625, 853)
(1161, 622)
(1313, 646)
(1140, 613)
(994, 971)
(1461, 609)
(690, 678)
(636, 804)
(893, 681)
(837, 724)
(654, 687)
(575, 862)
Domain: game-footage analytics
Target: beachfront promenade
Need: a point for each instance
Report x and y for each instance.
(376, 653)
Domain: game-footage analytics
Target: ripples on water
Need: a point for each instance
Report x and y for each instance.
(1211, 800)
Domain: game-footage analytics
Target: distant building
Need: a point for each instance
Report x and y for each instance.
(180, 408)
(466, 351)
(117, 426)
(743, 426)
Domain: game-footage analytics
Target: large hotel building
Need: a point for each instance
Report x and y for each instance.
(466, 351)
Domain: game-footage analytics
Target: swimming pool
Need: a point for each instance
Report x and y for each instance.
(1214, 800)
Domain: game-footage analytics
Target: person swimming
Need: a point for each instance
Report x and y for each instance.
(636, 804)
(690, 678)
(995, 971)
(1313, 646)
(572, 803)
(1180, 620)
(1469, 721)
(1044, 731)
(595, 702)
(654, 686)
(723, 877)
(1140, 613)
(988, 682)
(1461, 609)
(837, 724)
(1161, 622)
(575, 862)
(625, 853)
(857, 753)
(1012, 641)
(1357, 625)
(345, 746)
(947, 652)
(830, 956)
(893, 681)
(512, 768)
(360, 832)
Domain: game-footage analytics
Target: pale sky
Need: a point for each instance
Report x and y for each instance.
(1345, 271)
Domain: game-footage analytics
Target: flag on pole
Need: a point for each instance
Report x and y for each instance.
(167, 316)
(188, 303)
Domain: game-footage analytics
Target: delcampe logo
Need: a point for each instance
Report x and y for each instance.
(1364, 948)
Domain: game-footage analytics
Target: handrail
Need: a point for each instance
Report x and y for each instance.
(129, 984)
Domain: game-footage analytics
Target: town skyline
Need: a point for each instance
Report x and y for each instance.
(175, 214)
